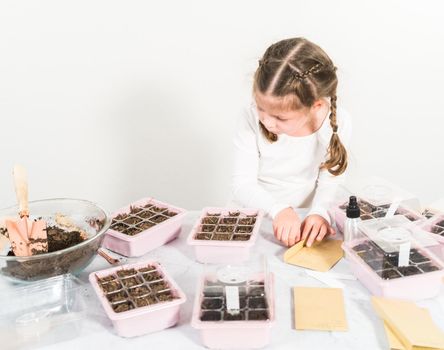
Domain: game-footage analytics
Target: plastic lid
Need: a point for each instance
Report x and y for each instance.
(353, 210)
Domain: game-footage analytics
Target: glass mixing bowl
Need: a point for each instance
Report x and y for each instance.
(85, 215)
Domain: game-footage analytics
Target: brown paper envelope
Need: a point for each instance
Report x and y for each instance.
(394, 342)
(319, 309)
(411, 324)
(321, 256)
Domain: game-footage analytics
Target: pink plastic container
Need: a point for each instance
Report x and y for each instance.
(435, 227)
(379, 272)
(226, 237)
(155, 235)
(248, 328)
(149, 287)
(369, 211)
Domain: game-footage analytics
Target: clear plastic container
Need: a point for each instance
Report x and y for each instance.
(225, 235)
(377, 209)
(43, 312)
(138, 298)
(83, 214)
(234, 307)
(434, 227)
(390, 260)
(143, 226)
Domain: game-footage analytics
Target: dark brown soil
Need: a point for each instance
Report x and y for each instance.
(159, 218)
(145, 301)
(225, 228)
(211, 303)
(126, 273)
(152, 276)
(165, 296)
(111, 286)
(247, 221)
(158, 209)
(59, 239)
(204, 236)
(132, 281)
(106, 279)
(257, 303)
(158, 286)
(123, 307)
(222, 236)
(256, 291)
(116, 297)
(259, 315)
(211, 316)
(228, 221)
(210, 220)
(208, 228)
(244, 229)
(234, 316)
(149, 268)
(241, 237)
(139, 291)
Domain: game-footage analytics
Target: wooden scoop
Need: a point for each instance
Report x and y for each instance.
(28, 237)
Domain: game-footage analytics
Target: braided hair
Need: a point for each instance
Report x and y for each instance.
(301, 70)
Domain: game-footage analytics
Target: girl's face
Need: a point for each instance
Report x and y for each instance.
(278, 120)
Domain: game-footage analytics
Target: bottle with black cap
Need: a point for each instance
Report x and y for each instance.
(353, 218)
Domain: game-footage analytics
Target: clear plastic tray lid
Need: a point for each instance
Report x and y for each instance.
(391, 233)
(380, 199)
(395, 247)
(239, 292)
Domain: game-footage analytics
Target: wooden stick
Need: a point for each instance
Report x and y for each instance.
(108, 258)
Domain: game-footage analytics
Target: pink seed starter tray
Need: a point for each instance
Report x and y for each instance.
(435, 227)
(369, 211)
(379, 272)
(246, 326)
(225, 235)
(143, 226)
(138, 298)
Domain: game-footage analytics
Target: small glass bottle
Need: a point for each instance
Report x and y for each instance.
(352, 220)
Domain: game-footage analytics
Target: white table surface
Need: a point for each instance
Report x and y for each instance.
(365, 328)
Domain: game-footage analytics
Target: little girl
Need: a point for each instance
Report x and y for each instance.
(290, 143)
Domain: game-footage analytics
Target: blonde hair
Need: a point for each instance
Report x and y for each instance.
(300, 72)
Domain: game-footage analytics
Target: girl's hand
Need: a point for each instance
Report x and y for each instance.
(287, 227)
(315, 227)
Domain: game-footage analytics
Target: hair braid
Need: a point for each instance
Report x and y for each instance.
(337, 161)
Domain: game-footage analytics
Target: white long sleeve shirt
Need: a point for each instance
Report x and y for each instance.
(285, 173)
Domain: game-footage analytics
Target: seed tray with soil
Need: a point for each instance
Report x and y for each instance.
(233, 232)
(234, 222)
(435, 227)
(143, 226)
(246, 327)
(135, 304)
(371, 211)
(137, 221)
(130, 285)
(384, 263)
(252, 297)
(378, 270)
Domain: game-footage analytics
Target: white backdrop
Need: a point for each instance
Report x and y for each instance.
(116, 100)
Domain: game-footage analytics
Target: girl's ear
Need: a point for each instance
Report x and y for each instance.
(318, 104)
